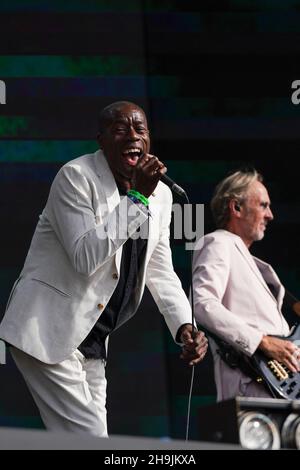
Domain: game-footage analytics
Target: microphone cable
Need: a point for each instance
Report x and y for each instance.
(190, 219)
(181, 192)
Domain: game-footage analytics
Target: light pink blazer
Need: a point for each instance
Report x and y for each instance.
(232, 299)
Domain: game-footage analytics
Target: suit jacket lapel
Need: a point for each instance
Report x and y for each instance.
(251, 262)
(153, 235)
(270, 276)
(109, 191)
(108, 185)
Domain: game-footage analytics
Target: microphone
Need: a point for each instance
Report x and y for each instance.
(172, 185)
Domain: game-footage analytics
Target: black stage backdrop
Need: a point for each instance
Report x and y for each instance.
(215, 78)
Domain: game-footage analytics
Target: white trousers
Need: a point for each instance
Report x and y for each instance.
(70, 395)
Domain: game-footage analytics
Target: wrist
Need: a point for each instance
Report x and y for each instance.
(264, 344)
(136, 195)
(142, 190)
(181, 329)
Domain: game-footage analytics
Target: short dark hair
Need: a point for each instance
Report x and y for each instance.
(107, 114)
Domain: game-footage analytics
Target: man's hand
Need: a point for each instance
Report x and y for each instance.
(281, 350)
(147, 174)
(194, 344)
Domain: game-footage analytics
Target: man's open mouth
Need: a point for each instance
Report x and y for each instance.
(132, 155)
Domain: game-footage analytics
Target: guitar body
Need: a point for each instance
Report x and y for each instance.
(285, 384)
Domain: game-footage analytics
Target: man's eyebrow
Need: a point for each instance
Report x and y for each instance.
(139, 121)
(120, 120)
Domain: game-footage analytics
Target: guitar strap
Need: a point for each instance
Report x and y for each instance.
(236, 360)
(233, 358)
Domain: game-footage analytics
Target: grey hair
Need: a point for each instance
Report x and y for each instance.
(234, 186)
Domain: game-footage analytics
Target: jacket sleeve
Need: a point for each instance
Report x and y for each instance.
(163, 282)
(70, 211)
(211, 275)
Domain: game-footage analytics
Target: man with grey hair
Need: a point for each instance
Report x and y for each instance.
(238, 297)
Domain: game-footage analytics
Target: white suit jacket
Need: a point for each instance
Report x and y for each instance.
(73, 263)
(232, 300)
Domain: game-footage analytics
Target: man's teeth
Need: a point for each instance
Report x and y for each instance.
(137, 152)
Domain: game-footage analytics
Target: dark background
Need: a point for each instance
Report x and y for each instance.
(214, 78)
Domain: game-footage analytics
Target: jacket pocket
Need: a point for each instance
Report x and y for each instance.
(55, 289)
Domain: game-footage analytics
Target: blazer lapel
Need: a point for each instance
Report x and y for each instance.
(153, 235)
(108, 185)
(109, 191)
(271, 277)
(252, 264)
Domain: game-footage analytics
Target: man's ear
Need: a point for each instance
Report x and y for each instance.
(235, 207)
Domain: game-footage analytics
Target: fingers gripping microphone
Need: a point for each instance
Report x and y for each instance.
(172, 185)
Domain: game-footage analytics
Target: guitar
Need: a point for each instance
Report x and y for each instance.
(284, 383)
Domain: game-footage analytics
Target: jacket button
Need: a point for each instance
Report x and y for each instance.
(115, 276)
(100, 306)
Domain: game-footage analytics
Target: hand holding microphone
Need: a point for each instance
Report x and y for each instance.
(148, 171)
